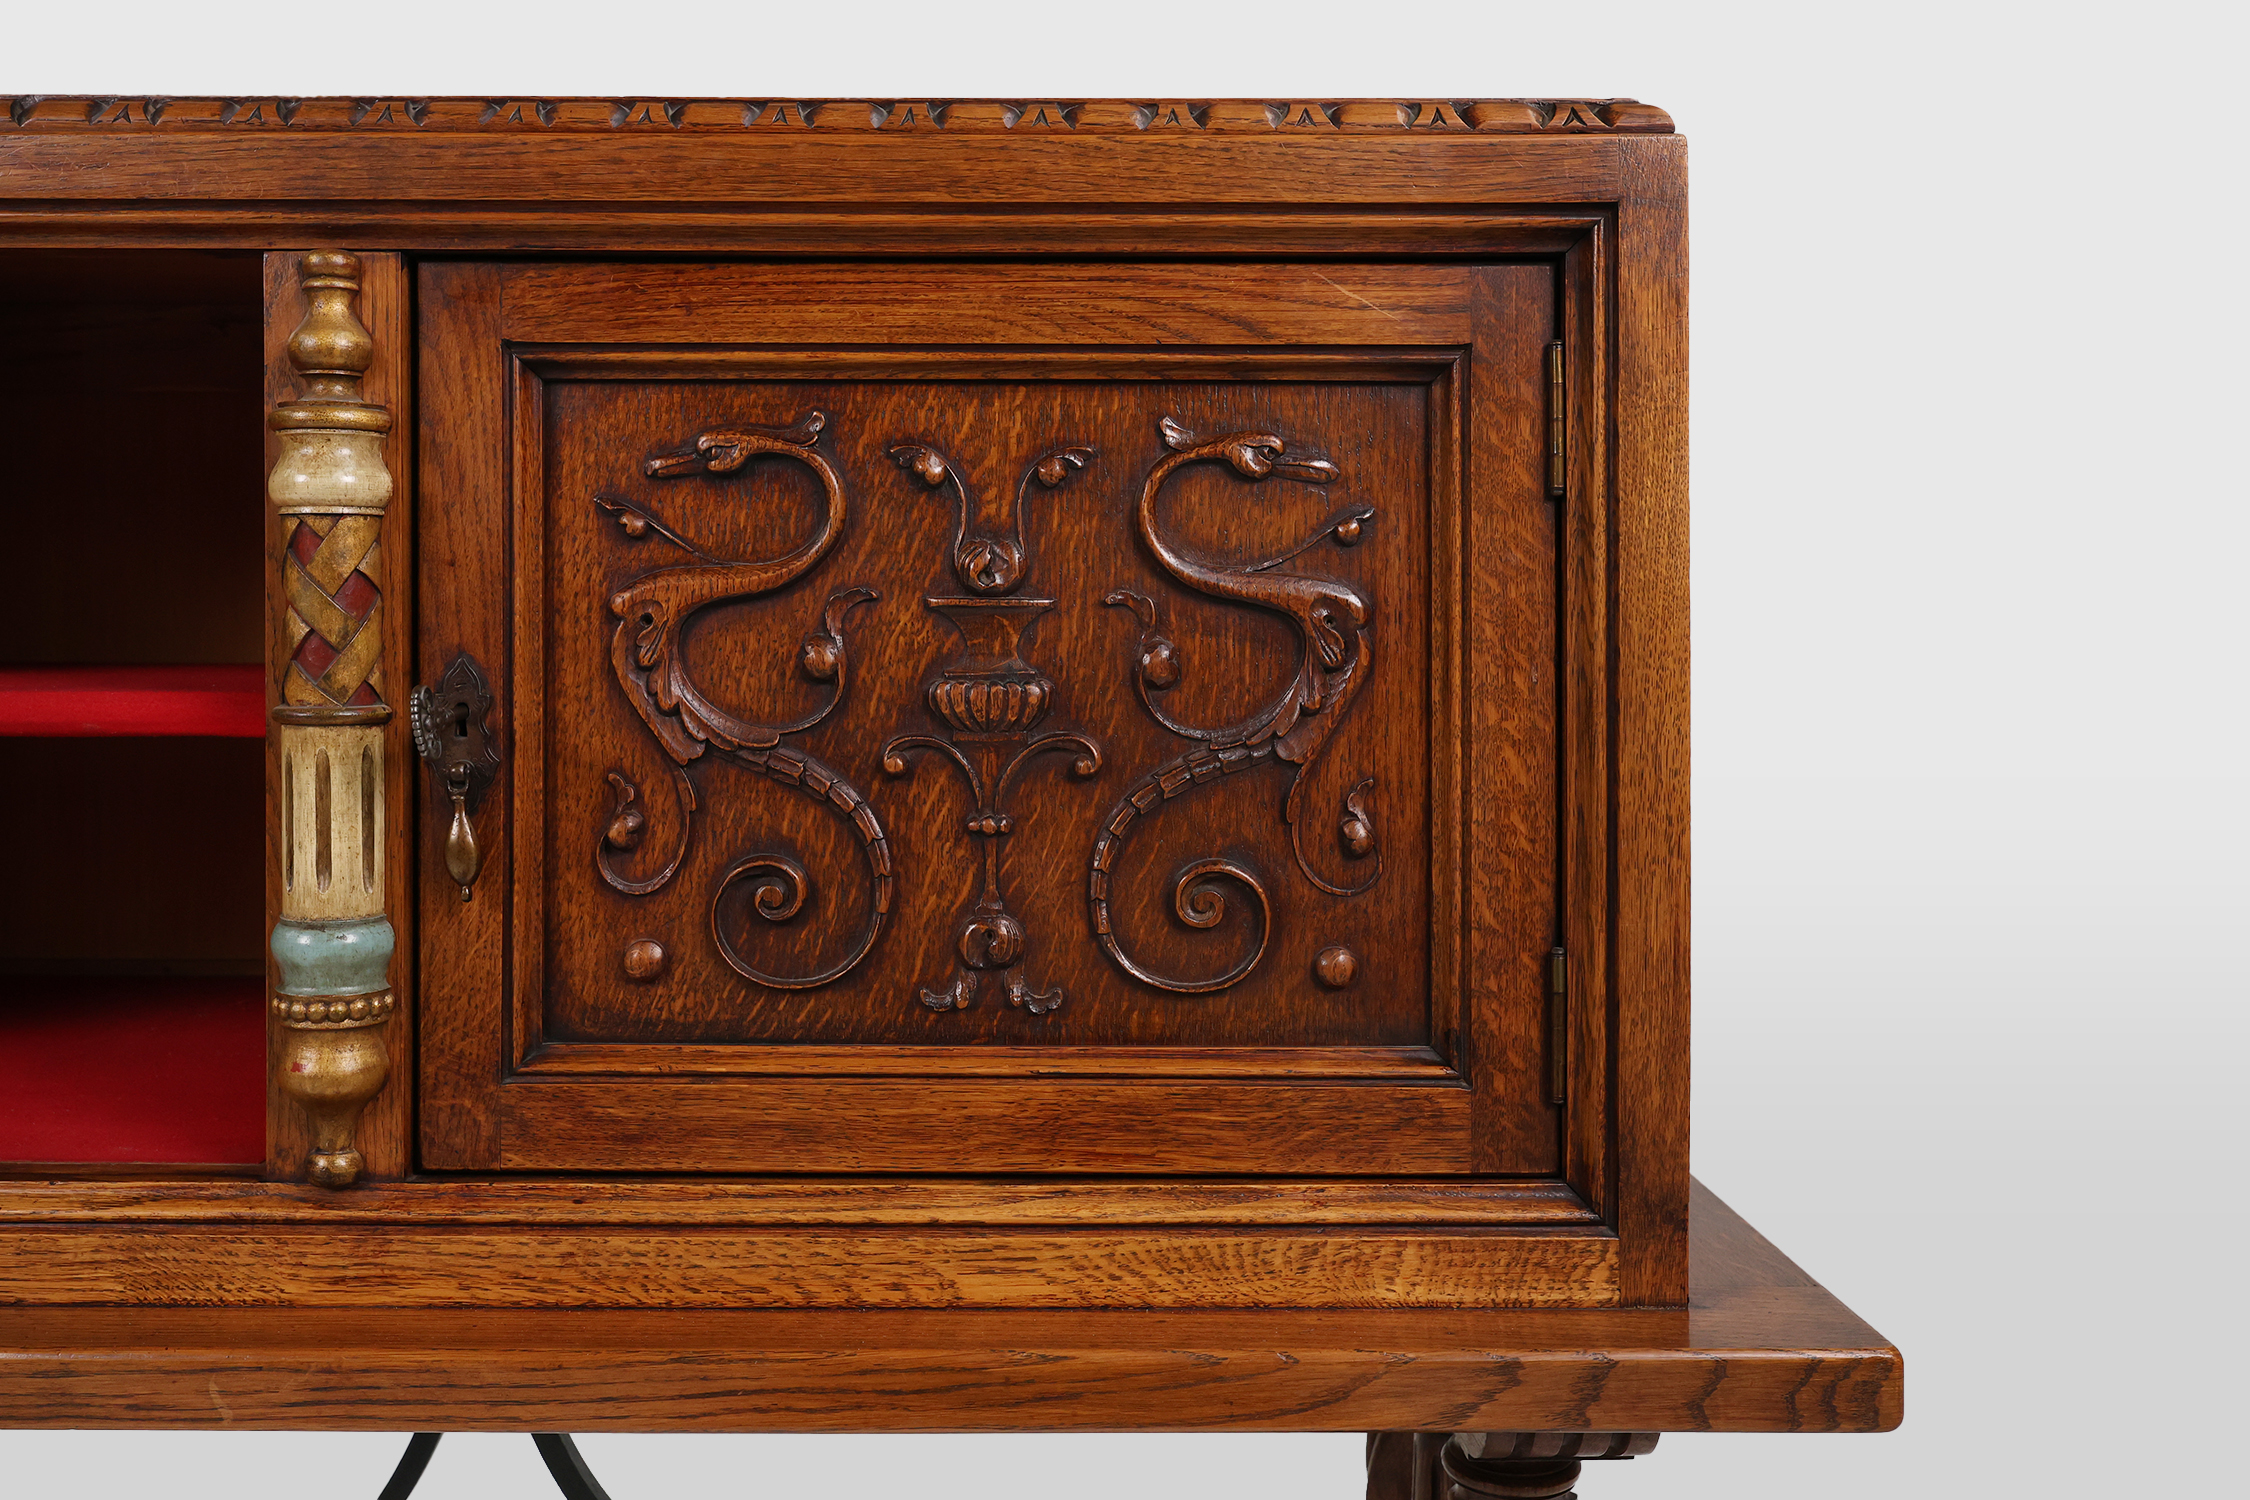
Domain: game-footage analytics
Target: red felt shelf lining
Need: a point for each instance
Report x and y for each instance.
(57, 702)
(158, 1070)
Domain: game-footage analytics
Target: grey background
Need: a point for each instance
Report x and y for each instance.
(1969, 531)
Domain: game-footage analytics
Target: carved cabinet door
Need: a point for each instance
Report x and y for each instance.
(1029, 718)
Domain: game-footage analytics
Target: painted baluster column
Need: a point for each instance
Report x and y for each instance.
(332, 945)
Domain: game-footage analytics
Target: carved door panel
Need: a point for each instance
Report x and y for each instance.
(975, 719)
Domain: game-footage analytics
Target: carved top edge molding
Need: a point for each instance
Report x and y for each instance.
(964, 116)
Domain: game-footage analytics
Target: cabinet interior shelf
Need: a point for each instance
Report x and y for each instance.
(154, 1068)
(56, 702)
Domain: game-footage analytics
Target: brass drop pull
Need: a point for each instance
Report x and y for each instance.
(453, 732)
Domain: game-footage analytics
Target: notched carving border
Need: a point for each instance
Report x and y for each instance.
(954, 116)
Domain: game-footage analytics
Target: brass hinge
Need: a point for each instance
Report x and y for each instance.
(1558, 424)
(1558, 1020)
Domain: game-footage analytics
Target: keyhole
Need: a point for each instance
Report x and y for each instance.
(460, 721)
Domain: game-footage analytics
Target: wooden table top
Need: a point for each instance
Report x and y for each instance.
(1761, 1348)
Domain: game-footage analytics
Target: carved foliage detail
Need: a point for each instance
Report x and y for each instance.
(990, 699)
(1335, 654)
(653, 611)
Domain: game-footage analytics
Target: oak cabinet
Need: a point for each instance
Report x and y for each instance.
(888, 706)
(926, 765)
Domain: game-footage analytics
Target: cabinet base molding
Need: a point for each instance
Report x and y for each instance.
(906, 1202)
(1761, 1347)
(429, 1266)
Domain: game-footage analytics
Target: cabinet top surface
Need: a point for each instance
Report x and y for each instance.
(767, 176)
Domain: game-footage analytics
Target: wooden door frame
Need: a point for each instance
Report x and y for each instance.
(495, 1096)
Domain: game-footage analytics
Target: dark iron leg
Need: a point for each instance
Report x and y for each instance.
(1489, 1465)
(564, 1462)
(572, 1477)
(411, 1463)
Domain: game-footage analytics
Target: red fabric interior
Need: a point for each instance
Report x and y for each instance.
(133, 1070)
(71, 701)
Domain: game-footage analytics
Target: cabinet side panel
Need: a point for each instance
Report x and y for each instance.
(1652, 725)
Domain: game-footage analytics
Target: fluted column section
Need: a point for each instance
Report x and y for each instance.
(332, 945)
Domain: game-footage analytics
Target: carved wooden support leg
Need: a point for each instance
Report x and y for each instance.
(332, 946)
(1489, 1465)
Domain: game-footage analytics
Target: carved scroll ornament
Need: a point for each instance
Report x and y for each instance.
(990, 699)
(653, 611)
(1330, 618)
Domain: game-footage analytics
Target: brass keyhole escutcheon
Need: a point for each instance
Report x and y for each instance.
(453, 733)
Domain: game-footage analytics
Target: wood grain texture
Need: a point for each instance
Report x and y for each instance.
(1150, 233)
(1652, 863)
(825, 168)
(1373, 232)
(1760, 1348)
(616, 363)
(677, 1266)
(934, 305)
(909, 1201)
(656, 1124)
(1587, 754)
(996, 1061)
(1511, 764)
(459, 371)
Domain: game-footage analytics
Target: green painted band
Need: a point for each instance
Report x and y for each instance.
(333, 958)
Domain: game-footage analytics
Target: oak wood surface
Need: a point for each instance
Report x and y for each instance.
(1591, 1150)
(456, 553)
(1581, 199)
(614, 363)
(1509, 852)
(572, 171)
(1150, 233)
(919, 1201)
(1760, 1348)
(860, 1267)
(926, 304)
(1651, 696)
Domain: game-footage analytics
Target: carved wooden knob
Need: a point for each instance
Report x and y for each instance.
(991, 940)
(1336, 966)
(644, 959)
(1160, 663)
(625, 830)
(820, 657)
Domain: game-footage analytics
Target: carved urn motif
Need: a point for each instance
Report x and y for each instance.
(988, 691)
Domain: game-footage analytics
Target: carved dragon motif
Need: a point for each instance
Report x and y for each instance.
(1335, 653)
(653, 611)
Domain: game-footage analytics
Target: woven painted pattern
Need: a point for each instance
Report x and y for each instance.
(333, 577)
